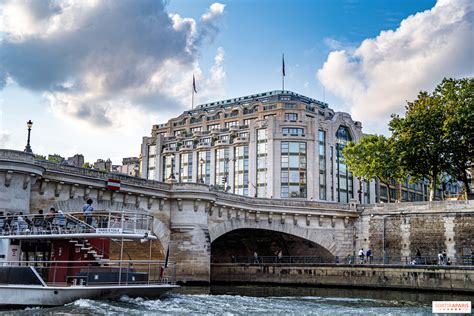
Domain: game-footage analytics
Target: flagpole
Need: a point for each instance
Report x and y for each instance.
(192, 99)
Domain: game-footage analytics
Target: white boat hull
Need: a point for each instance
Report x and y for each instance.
(32, 295)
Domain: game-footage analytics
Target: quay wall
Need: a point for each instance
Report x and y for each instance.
(435, 278)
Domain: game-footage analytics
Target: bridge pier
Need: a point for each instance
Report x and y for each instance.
(190, 245)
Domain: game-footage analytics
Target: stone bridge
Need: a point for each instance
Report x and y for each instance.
(201, 225)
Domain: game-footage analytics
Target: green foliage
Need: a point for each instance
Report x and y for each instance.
(53, 159)
(374, 157)
(436, 134)
(40, 157)
(87, 165)
(458, 99)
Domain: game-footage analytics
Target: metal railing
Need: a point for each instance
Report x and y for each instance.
(76, 223)
(393, 260)
(91, 273)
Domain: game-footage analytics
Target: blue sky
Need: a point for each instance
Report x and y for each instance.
(95, 77)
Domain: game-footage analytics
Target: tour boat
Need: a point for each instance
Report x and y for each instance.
(54, 259)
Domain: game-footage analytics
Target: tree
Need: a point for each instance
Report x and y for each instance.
(87, 165)
(374, 157)
(421, 142)
(40, 157)
(457, 97)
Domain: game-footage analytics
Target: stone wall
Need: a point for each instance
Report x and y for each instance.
(390, 277)
(401, 229)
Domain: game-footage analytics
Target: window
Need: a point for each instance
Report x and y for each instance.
(231, 123)
(269, 107)
(291, 116)
(262, 154)
(186, 167)
(241, 170)
(293, 170)
(196, 129)
(322, 165)
(204, 170)
(222, 168)
(344, 176)
(289, 106)
(213, 126)
(248, 121)
(292, 131)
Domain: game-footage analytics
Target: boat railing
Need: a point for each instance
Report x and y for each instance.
(88, 273)
(101, 222)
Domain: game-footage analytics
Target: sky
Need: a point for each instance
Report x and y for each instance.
(94, 76)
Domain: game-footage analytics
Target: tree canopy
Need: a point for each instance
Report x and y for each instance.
(374, 157)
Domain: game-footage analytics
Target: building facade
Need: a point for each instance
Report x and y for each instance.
(276, 144)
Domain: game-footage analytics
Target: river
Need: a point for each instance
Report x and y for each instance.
(252, 300)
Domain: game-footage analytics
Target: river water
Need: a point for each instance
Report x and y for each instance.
(253, 300)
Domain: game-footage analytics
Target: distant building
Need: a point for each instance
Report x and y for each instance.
(102, 165)
(77, 160)
(131, 166)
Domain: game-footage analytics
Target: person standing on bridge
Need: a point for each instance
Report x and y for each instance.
(361, 255)
(88, 209)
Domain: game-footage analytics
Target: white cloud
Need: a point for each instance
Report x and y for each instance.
(4, 138)
(96, 61)
(383, 72)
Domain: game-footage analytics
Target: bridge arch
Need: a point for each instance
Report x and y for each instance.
(323, 237)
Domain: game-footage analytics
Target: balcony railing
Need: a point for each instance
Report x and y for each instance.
(118, 223)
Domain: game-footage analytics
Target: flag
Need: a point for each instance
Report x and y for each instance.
(283, 66)
(167, 256)
(194, 85)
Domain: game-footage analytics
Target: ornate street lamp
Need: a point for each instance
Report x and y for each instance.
(28, 147)
(201, 164)
(172, 168)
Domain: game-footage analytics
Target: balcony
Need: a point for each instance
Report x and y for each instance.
(234, 128)
(240, 140)
(169, 150)
(203, 146)
(221, 142)
(197, 133)
(185, 148)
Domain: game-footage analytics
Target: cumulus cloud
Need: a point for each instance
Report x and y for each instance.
(4, 138)
(95, 60)
(377, 77)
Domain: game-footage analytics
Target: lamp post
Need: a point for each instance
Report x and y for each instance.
(172, 169)
(201, 164)
(28, 147)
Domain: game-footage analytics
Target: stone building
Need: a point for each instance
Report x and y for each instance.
(103, 165)
(130, 166)
(77, 160)
(276, 144)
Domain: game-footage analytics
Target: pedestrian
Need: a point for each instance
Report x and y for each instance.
(60, 219)
(349, 259)
(255, 257)
(88, 209)
(448, 262)
(445, 257)
(369, 256)
(440, 258)
(361, 255)
(418, 256)
(280, 255)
